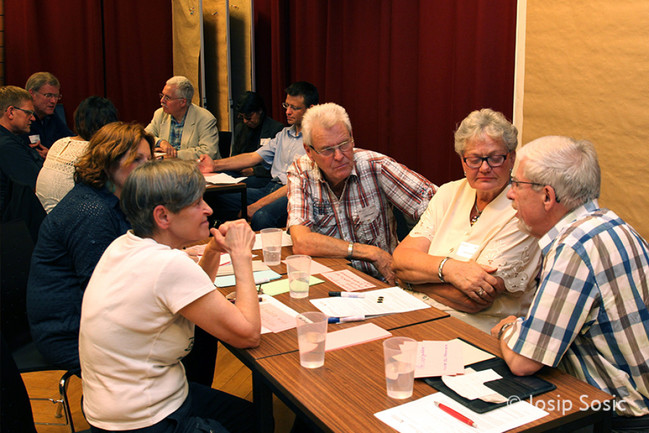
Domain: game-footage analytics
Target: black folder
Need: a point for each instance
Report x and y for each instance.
(513, 388)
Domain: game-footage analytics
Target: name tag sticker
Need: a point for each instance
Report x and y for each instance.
(467, 250)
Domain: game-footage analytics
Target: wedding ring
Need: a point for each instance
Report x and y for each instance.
(480, 292)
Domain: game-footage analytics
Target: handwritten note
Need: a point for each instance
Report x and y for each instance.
(347, 280)
(277, 306)
(275, 319)
(439, 358)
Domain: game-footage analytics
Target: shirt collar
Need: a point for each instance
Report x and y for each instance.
(569, 218)
(292, 132)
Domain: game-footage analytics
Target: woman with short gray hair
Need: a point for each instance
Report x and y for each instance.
(145, 295)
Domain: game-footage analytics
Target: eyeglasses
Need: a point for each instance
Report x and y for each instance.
(517, 184)
(167, 98)
(247, 117)
(56, 96)
(29, 113)
(292, 107)
(492, 161)
(329, 151)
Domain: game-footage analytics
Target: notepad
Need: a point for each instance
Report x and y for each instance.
(354, 335)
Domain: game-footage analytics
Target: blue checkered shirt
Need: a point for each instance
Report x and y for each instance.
(589, 316)
(176, 132)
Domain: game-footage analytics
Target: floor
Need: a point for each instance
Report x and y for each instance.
(230, 376)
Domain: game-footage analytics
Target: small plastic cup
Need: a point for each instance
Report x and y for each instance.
(400, 358)
(271, 245)
(311, 338)
(299, 273)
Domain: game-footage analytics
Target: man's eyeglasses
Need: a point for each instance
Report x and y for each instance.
(167, 98)
(517, 183)
(492, 161)
(29, 113)
(329, 151)
(56, 96)
(292, 107)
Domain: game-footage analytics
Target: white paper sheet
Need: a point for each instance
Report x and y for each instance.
(347, 280)
(471, 385)
(395, 300)
(422, 416)
(439, 358)
(222, 178)
(267, 299)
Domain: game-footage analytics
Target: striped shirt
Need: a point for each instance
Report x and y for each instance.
(589, 316)
(363, 213)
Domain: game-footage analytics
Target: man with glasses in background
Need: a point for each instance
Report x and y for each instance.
(340, 199)
(267, 205)
(45, 90)
(589, 316)
(181, 128)
(20, 163)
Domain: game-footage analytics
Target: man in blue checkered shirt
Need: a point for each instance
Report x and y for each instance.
(589, 316)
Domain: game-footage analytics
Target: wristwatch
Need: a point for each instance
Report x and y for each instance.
(350, 251)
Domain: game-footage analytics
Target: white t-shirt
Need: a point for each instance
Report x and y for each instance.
(56, 178)
(493, 240)
(132, 338)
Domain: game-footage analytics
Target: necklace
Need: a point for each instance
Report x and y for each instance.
(475, 217)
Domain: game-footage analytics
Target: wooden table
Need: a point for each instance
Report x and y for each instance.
(286, 341)
(343, 395)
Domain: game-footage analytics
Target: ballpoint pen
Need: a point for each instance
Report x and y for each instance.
(458, 416)
(347, 294)
(346, 319)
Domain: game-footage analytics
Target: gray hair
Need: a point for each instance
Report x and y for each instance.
(327, 116)
(486, 122)
(569, 166)
(183, 86)
(39, 79)
(12, 96)
(173, 183)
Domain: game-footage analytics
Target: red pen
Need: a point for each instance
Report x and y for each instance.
(458, 416)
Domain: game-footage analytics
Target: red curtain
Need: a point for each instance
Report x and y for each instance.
(119, 49)
(406, 71)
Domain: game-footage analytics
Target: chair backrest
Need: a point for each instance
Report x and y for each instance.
(225, 143)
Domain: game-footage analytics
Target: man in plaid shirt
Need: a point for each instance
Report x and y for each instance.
(589, 316)
(340, 198)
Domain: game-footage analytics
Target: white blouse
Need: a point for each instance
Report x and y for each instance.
(493, 240)
(56, 178)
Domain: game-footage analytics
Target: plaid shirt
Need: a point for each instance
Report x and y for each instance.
(589, 316)
(363, 213)
(176, 132)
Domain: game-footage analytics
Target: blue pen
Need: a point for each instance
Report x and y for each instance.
(347, 294)
(346, 319)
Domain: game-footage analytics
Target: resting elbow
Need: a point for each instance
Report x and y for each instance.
(521, 366)
(300, 248)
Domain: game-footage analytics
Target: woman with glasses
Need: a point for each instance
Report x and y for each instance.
(467, 254)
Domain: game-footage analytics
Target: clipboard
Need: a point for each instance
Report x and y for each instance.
(512, 387)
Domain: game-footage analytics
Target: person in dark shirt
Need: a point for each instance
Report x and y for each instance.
(254, 124)
(74, 236)
(48, 127)
(19, 163)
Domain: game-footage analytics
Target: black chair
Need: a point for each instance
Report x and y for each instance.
(28, 360)
(225, 143)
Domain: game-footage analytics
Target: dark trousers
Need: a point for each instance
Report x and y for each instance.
(204, 410)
